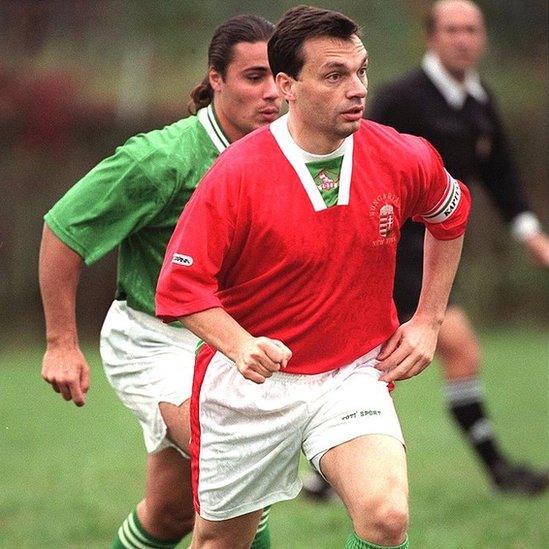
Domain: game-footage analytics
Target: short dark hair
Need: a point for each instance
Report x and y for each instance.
(241, 28)
(298, 25)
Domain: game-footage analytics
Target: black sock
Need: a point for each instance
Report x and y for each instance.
(465, 401)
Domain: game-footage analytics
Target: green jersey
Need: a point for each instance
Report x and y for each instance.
(133, 200)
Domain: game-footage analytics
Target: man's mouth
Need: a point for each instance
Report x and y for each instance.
(269, 113)
(354, 113)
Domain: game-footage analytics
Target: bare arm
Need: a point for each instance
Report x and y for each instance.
(411, 348)
(255, 357)
(537, 246)
(63, 365)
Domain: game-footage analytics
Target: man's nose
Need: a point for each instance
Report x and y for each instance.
(270, 90)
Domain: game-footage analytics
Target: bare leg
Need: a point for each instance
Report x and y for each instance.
(369, 473)
(167, 512)
(458, 347)
(178, 423)
(235, 533)
(460, 354)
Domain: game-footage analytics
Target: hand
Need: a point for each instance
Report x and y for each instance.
(260, 357)
(67, 371)
(538, 248)
(409, 350)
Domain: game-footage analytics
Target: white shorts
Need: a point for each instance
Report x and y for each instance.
(246, 438)
(147, 362)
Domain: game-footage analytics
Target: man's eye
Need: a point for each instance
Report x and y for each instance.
(363, 72)
(333, 77)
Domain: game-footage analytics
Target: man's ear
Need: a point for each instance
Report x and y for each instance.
(285, 85)
(215, 78)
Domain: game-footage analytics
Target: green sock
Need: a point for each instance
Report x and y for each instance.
(262, 538)
(132, 535)
(354, 542)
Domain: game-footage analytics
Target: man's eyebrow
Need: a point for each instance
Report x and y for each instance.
(340, 65)
(260, 68)
(335, 65)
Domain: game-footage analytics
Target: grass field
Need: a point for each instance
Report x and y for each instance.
(69, 476)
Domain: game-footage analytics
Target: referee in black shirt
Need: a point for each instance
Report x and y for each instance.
(446, 102)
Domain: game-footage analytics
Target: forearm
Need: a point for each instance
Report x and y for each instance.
(411, 348)
(59, 271)
(220, 330)
(256, 358)
(440, 262)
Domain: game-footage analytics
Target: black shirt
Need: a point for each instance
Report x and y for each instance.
(473, 147)
(470, 140)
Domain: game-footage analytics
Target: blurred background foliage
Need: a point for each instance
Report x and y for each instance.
(78, 78)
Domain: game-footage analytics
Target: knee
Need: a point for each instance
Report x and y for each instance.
(461, 358)
(384, 521)
(471, 354)
(174, 521)
(391, 521)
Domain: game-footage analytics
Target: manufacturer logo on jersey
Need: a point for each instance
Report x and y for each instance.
(180, 259)
(386, 220)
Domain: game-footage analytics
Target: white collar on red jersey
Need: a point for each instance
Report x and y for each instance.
(298, 158)
(207, 118)
(454, 92)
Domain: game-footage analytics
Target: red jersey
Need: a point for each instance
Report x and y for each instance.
(257, 239)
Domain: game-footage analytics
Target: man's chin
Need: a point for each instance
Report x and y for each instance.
(348, 128)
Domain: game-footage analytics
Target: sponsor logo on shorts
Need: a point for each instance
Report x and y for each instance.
(361, 413)
(180, 259)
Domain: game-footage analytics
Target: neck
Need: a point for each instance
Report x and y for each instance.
(231, 132)
(311, 140)
(458, 75)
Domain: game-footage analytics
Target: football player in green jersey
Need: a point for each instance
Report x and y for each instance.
(132, 200)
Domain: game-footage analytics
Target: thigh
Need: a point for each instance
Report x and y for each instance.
(456, 331)
(246, 439)
(457, 345)
(177, 423)
(368, 468)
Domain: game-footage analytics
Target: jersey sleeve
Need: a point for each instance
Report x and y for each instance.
(444, 203)
(115, 199)
(188, 282)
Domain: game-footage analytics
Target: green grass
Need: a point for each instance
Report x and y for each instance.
(69, 476)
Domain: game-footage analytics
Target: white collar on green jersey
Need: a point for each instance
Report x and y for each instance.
(297, 157)
(207, 118)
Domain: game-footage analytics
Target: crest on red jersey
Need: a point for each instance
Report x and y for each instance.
(386, 220)
(326, 182)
